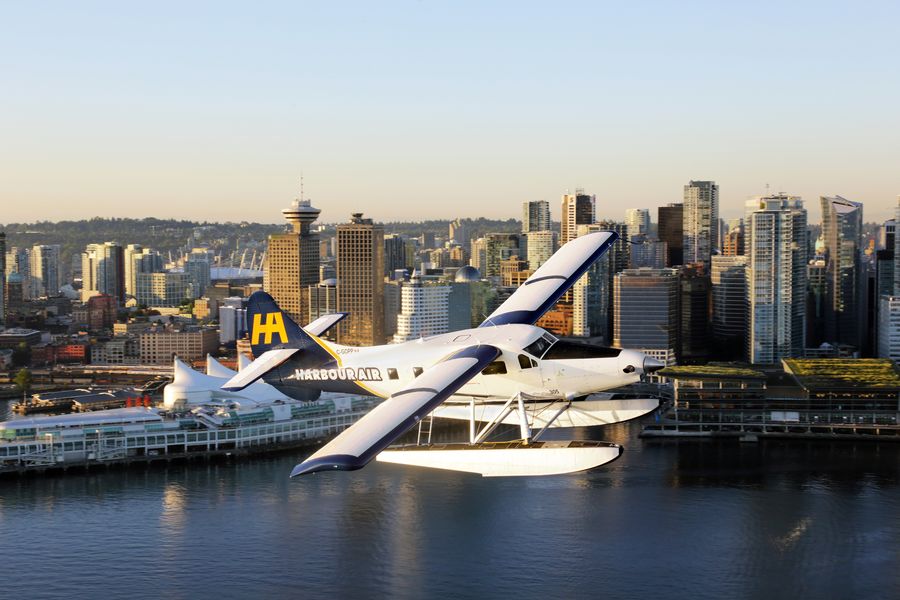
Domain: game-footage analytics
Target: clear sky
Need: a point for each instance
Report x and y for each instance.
(414, 110)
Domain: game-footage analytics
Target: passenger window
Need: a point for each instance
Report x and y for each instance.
(417, 371)
(524, 362)
(498, 367)
(392, 374)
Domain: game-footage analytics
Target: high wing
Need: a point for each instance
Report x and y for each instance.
(361, 442)
(547, 285)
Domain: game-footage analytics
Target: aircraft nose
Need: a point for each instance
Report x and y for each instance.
(651, 364)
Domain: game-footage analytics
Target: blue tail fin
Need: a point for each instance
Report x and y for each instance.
(272, 329)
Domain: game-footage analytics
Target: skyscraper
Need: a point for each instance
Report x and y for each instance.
(646, 312)
(671, 228)
(198, 264)
(45, 273)
(103, 271)
(394, 253)
(577, 209)
(700, 224)
(638, 221)
(2, 277)
(694, 335)
(458, 231)
(592, 294)
(729, 303)
(535, 216)
(733, 242)
(424, 310)
(360, 288)
(498, 247)
(776, 278)
(292, 261)
(541, 246)
(842, 222)
(139, 260)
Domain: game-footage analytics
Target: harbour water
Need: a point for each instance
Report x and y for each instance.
(672, 519)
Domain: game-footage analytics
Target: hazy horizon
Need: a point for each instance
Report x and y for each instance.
(211, 111)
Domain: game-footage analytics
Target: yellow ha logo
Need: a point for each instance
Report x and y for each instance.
(274, 324)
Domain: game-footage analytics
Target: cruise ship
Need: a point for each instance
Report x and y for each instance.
(196, 419)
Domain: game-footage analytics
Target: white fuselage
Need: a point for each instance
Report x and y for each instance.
(383, 370)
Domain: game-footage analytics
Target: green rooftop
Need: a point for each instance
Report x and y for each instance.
(843, 372)
(710, 372)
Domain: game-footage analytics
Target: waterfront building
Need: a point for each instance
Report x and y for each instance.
(694, 338)
(889, 327)
(577, 209)
(670, 221)
(424, 310)
(535, 216)
(700, 226)
(167, 289)
(103, 271)
(139, 260)
(46, 278)
(646, 312)
(360, 285)
(728, 281)
(159, 347)
(292, 260)
(638, 221)
(776, 278)
(121, 350)
(844, 314)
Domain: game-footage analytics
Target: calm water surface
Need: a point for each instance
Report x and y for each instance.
(667, 520)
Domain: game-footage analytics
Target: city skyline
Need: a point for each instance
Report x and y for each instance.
(112, 107)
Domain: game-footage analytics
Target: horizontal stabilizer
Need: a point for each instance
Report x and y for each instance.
(324, 323)
(259, 367)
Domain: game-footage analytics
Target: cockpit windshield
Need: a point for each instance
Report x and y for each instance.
(538, 347)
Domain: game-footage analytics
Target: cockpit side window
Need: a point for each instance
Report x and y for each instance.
(539, 346)
(498, 367)
(525, 362)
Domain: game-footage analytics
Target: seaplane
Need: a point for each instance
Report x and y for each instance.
(506, 370)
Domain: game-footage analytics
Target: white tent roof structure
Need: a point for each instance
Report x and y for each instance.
(191, 388)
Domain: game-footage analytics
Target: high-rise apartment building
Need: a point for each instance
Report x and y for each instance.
(139, 260)
(700, 224)
(458, 231)
(694, 335)
(164, 289)
(2, 278)
(889, 327)
(46, 278)
(729, 305)
(845, 295)
(535, 216)
(646, 312)
(394, 253)
(541, 246)
(577, 209)
(103, 271)
(733, 240)
(498, 247)
(592, 294)
(638, 221)
(477, 254)
(424, 310)
(198, 264)
(360, 287)
(776, 278)
(292, 261)
(671, 227)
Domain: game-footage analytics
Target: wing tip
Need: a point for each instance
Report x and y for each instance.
(333, 462)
